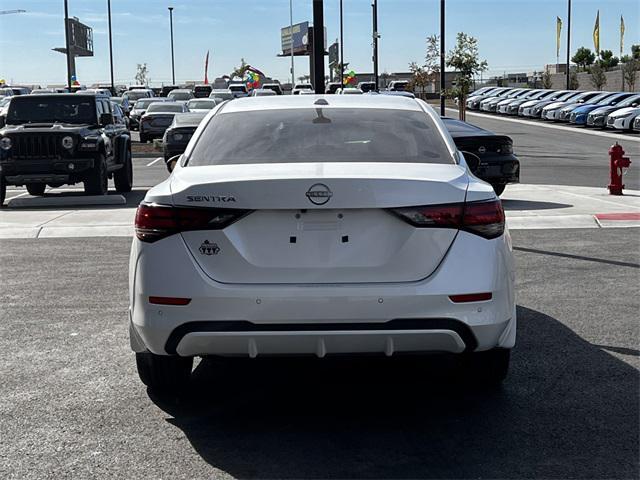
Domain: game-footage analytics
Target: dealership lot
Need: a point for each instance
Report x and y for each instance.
(72, 403)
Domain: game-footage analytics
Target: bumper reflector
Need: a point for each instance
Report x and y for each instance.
(471, 297)
(169, 301)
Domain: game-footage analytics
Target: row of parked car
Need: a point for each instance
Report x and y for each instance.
(617, 110)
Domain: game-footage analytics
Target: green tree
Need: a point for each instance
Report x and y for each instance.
(629, 72)
(607, 60)
(420, 77)
(546, 80)
(432, 58)
(635, 52)
(142, 73)
(464, 59)
(240, 70)
(583, 58)
(598, 77)
(574, 83)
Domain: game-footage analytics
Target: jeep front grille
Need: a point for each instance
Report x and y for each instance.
(36, 146)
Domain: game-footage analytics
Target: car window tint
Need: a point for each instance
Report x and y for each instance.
(320, 135)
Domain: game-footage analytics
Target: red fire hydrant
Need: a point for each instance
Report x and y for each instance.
(618, 162)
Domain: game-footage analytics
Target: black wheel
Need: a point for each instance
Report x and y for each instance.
(97, 182)
(143, 138)
(3, 190)
(123, 178)
(163, 372)
(487, 368)
(36, 189)
(499, 189)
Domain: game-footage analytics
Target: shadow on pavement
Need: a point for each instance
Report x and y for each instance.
(567, 410)
(531, 205)
(132, 198)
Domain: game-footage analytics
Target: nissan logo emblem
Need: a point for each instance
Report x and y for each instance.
(319, 194)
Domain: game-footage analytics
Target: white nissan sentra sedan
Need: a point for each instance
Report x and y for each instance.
(313, 225)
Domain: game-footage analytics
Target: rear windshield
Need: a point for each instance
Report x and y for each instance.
(42, 109)
(136, 94)
(180, 96)
(144, 103)
(222, 95)
(201, 104)
(320, 135)
(164, 107)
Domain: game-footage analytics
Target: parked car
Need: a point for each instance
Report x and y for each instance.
(180, 95)
(305, 92)
(221, 94)
(166, 89)
(4, 108)
(636, 124)
(566, 113)
(491, 104)
(511, 106)
(301, 86)
(42, 91)
(238, 90)
(157, 119)
(276, 87)
(136, 94)
(202, 91)
(473, 102)
(367, 86)
(534, 108)
(201, 104)
(498, 165)
(398, 85)
(139, 109)
(378, 241)
(262, 92)
(598, 117)
(124, 104)
(177, 136)
(71, 138)
(332, 87)
(552, 111)
(623, 119)
(99, 91)
(349, 91)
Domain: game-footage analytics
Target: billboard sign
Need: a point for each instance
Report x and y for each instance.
(333, 54)
(80, 38)
(298, 34)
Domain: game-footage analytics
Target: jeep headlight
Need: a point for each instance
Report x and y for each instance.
(5, 143)
(89, 143)
(67, 142)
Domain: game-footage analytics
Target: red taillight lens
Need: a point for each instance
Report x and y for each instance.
(154, 222)
(169, 301)
(482, 218)
(471, 297)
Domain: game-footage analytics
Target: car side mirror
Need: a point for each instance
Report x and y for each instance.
(473, 161)
(171, 163)
(106, 119)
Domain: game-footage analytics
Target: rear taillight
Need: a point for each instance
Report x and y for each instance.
(154, 222)
(481, 218)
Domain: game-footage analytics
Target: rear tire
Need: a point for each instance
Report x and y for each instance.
(164, 373)
(487, 368)
(499, 189)
(36, 189)
(123, 178)
(143, 138)
(97, 181)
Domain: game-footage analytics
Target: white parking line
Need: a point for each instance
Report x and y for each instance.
(154, 161)
(624, 138)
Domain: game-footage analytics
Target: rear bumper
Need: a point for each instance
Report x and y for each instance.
(250, 319)
(22, 171)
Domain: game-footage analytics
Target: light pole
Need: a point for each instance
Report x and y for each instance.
(173, 66)
(341, 49)
(66, 39)
(568, 42)
(374, 5)
(442, 75)
(113, 88)
(318, 46)
(293, 76)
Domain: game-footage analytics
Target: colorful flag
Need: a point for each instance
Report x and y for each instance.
(558, 32)
(621, 34)
(206, 69)
(596, 34)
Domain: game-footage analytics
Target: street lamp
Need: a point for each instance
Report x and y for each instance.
(113, 88)
(173, 66)
(568, 42)
(293, 78)
(376, 36)
(442, 74)
(341, 49)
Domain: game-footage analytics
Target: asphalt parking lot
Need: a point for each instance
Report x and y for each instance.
(72, 405)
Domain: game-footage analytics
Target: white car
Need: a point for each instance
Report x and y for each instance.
(349, 91)
(298, 87)
(201, 104)
(262, 92)
(623, 119)
(320, 225)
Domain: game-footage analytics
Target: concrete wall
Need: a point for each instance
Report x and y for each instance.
(614, 81)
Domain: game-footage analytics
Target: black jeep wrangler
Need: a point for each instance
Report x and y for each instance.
(63, 139)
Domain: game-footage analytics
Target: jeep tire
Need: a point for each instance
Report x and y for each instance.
(97, 182)
(143, 138)
(36, 189)
(3, 190)
(164, 373)
(123, 178)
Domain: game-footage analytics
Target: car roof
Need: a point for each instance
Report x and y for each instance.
(282, 102)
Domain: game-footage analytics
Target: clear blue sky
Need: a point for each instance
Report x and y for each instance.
(514, 35)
